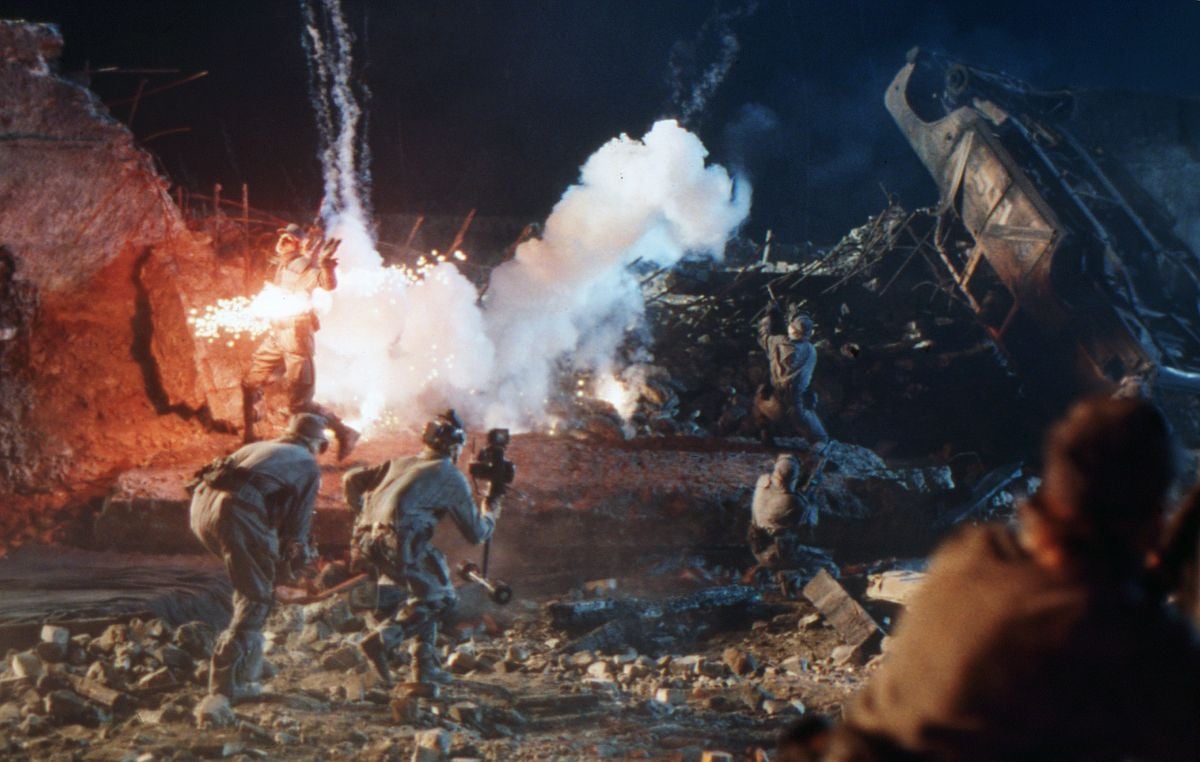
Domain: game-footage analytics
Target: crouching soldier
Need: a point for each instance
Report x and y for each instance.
(254, 509)
(782, 519)
(399, 503)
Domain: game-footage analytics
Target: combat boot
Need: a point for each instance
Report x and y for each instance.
(425, 666)
(373, 648)
(223, 681)
(347, 438)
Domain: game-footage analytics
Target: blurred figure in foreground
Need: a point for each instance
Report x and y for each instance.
(1047, 642)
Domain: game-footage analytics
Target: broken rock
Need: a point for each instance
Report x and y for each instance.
(214, 711)
(26, 664)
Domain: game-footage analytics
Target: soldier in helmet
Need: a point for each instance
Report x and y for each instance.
(782, 518)
(291, 342)
(398, 504)
(792, 358)
(253, 509)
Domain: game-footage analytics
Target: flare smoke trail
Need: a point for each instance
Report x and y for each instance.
(415, 342)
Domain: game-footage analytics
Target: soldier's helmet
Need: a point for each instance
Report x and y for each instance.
(800, 327)
(444, 432)
(293, 230)
(787, 470)
(309, 427)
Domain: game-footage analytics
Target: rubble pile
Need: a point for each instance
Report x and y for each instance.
(138, 690)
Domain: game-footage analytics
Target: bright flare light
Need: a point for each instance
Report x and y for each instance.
(621, 396)
(241, 315)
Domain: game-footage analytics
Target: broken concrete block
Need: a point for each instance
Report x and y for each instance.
(214, 711)
(852, 622)
(740, 662)
(55, 634)
(26, 664)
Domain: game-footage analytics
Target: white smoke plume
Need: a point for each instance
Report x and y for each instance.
(399, 344)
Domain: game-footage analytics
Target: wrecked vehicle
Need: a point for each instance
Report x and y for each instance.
(1059, 256)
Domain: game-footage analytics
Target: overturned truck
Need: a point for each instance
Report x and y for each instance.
(1067, 263)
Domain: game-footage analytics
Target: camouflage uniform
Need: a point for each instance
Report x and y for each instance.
(254, 509)
(399, 504)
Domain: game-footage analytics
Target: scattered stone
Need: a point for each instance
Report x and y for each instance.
(26, 664)
(686, 665)
(342, 658)
(466, 713)
(55, 634)
(598, 587)
(795, 665)
(581, 660)
(432, 746)
(461, 662)
(740, 662)
(159, 679)
(847, 655)
(113, 635)
(10, 712)
(671, 696)
(174, 657)
(213, 711)
(197, 638)
(716, 756)
(774, 707)
(33, 725)
(405, 710)
(600, 669)
(69, 708)
(810, 621)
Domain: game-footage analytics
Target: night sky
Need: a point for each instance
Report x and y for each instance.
(494, 105)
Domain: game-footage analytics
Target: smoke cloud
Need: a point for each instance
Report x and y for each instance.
(397, 344)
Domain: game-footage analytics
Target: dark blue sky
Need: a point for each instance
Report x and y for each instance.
(491, 104)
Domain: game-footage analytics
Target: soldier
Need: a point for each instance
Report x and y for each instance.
(291, 343)
(253, 509)
(399, 503)
(1045, 642)
(782, 519)
(792, 358)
